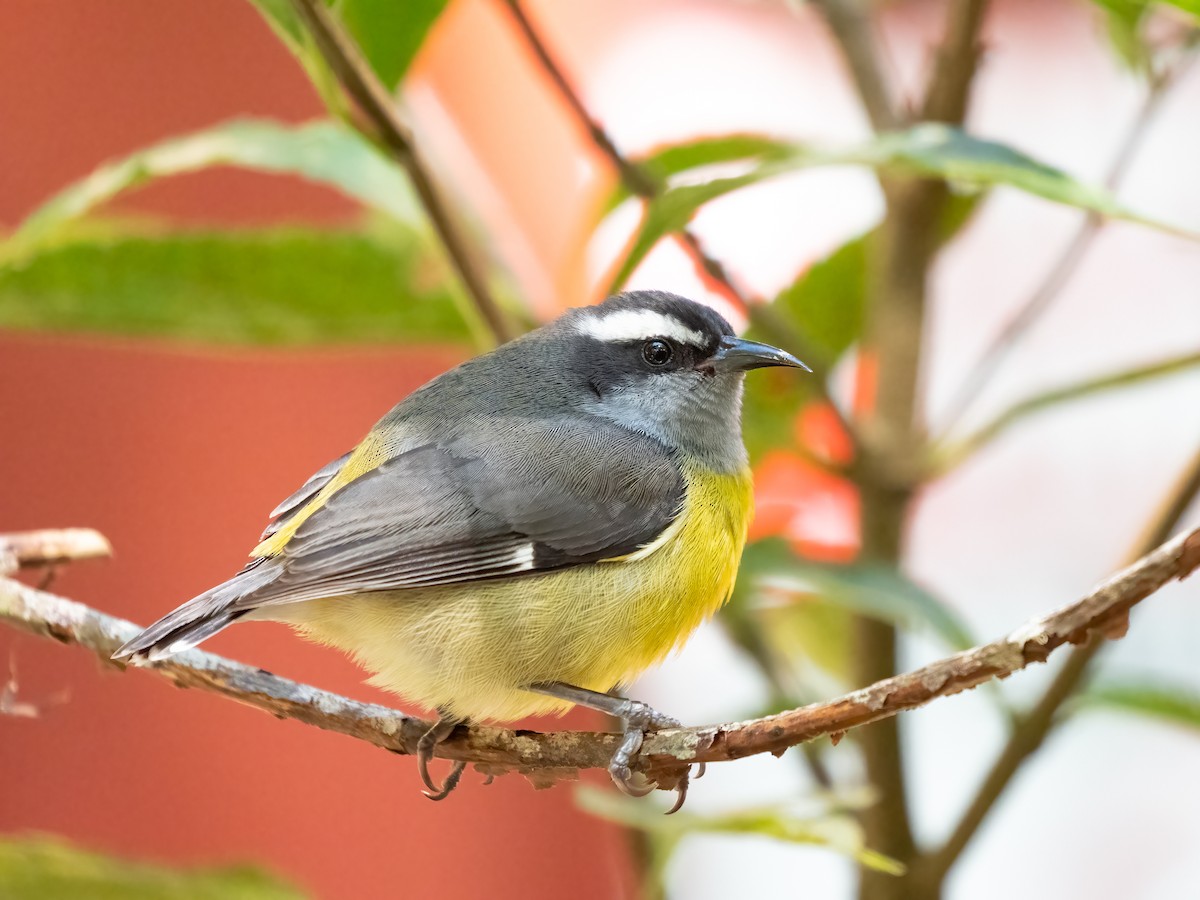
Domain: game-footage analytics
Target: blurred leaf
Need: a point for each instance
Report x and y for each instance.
(771, 401)
(675, 159)
(707, 151)
(867, 589)
(284, 21)
(325, 152)
(49, 869)
(1123, 22)
(819, 315)
(1175, 704)
(955, 454)
(284, 287)
(928, 149)
(836, 831)
(389, 33)
(812, 633)
(826, 303)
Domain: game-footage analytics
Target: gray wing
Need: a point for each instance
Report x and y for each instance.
(537, 501)
(294, 503)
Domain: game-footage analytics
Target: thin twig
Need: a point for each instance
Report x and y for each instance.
(642, 184)
(634, 177)
(358, 79)
(664, 756)
(50, 547)
(1031, 729)
(947, 459)
(1061, 272)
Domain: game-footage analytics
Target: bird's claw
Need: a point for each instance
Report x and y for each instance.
(430, 739)
(441, 793)
(640, 720)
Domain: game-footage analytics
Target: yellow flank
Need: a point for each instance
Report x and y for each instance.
(368, 455)
(470, 649)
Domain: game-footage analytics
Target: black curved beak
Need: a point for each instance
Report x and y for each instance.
(735, 354)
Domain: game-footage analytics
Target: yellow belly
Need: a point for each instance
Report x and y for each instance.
(471, 649)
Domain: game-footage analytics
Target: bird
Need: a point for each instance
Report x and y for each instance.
(525, 533)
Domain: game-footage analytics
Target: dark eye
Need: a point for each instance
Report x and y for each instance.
(657, 353)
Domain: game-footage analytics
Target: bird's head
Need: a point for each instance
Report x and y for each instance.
(666, 366)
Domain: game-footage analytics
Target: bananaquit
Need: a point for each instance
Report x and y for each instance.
(525, 532)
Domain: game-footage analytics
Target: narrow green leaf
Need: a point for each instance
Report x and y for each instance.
(674, 159)
(284, 287)
(955, 454)
(671, 212)
(1169, 703)
(835, 831)
(324, 152)
(872, 590)
(928, 150)
(389, 33)
(38, 868)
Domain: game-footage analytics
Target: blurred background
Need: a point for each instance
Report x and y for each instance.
(176, 359)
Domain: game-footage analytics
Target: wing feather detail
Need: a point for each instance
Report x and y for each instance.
(474, 510)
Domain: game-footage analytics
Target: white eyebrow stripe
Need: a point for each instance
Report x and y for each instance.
(639, 325)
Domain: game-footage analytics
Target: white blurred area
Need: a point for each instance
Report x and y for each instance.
(1111, 807)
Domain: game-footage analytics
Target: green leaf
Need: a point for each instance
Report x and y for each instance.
(1123, 22)
(388, 32)
(867, 589)
(928, 150)
(41, 868)
(707, 151)
(835, 831)
(284, 287)
(324, 152)
(676, 159)
(1169, 703)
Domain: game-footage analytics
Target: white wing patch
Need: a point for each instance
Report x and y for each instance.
(639, 325)
(522, 558)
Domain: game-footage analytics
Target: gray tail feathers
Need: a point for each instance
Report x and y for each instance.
(201, 617)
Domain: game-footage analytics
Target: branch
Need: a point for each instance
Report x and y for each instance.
(851, 29)
(893, 435)
(358, 79)
(551, 756)
(49, 547)
(1031, 729)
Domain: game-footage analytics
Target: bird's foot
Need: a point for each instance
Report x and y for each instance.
(425, 746)
(638, 720)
